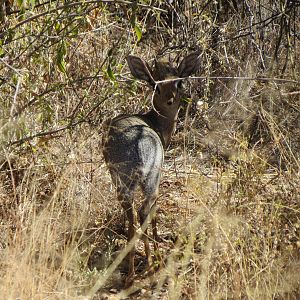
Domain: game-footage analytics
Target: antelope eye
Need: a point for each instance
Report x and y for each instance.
(170, 102)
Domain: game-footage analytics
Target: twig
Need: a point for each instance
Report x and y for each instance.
(282, 80)
(50, 11)
(62, 164)
(10, 67)
(13, 106)
(53, 131)
(44, 133)
(52, 89)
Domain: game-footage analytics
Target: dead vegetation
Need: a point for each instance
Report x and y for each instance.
(229, 214)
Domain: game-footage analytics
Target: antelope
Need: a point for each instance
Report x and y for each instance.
(134, 145)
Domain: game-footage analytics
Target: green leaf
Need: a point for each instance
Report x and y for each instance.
(132, 20)
(186, 99)
(60, 58)
(61, 65)
(20, 3)
(74, 31)
(32, 3)
(57, 26)
(1, 49)
(138, 32)
(110, 73)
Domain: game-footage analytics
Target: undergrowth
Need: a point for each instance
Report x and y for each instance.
(229, 214)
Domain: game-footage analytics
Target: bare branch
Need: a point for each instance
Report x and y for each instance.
(50, 11)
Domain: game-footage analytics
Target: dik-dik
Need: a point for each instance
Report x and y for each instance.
(134, 144)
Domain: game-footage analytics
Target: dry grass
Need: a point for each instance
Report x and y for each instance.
(229, 211)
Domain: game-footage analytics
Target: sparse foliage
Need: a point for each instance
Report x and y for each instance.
(230, 209)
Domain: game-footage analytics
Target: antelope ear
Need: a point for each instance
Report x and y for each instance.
(189, 65)
(140, 69)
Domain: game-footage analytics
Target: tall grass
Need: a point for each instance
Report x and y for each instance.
(229, 214)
